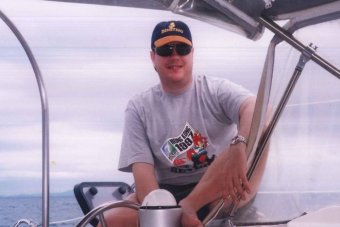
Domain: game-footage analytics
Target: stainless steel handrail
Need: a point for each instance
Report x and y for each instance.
(26, 222)
(45, 118)
(106, 206)
(286, 36)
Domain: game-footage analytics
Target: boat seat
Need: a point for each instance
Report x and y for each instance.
(92, 194)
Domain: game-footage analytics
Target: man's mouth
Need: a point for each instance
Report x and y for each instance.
(174, 66)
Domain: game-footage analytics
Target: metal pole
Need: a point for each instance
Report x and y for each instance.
(304, 58)
(286, 36)
(45, 119)
(307, 54)
(269, 130)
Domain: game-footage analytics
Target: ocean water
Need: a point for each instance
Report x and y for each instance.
(62, 208)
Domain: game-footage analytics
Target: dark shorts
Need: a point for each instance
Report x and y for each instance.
(181, 191)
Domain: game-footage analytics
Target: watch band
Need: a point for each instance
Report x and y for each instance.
(239, 139)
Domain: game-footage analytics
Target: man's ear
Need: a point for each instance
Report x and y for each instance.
(152, 56)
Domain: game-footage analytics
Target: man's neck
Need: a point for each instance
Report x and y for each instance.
(177, 88)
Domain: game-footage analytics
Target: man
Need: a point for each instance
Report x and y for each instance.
(177, 134)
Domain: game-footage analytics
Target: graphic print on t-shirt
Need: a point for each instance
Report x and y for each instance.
(187, 151)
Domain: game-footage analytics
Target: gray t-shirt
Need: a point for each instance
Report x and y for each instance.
(181, 134)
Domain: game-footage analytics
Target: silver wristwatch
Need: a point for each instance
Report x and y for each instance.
(239, 139)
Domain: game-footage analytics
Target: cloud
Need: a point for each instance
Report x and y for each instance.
(77, 151)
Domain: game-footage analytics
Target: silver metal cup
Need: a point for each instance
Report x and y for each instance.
(160, 216)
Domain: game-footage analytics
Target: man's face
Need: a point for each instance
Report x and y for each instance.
(175, 70)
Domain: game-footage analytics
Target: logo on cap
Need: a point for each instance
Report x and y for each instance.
(172, 25)
(172, 28)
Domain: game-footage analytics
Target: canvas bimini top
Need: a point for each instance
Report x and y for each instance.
(239, 16)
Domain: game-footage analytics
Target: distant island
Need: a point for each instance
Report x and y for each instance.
(52, 194)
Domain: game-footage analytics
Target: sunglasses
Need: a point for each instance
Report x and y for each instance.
(182, 49)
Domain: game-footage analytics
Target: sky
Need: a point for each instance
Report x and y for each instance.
(95, 58)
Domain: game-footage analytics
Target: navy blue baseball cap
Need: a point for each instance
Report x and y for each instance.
(170, 31)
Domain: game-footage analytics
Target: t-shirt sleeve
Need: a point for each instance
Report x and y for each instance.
(231, 96)
(135, 146)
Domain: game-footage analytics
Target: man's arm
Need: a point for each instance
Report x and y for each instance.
(228, 172)
(226, 177)
(145, 179)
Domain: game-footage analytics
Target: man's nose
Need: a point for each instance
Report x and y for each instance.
(174, 52)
